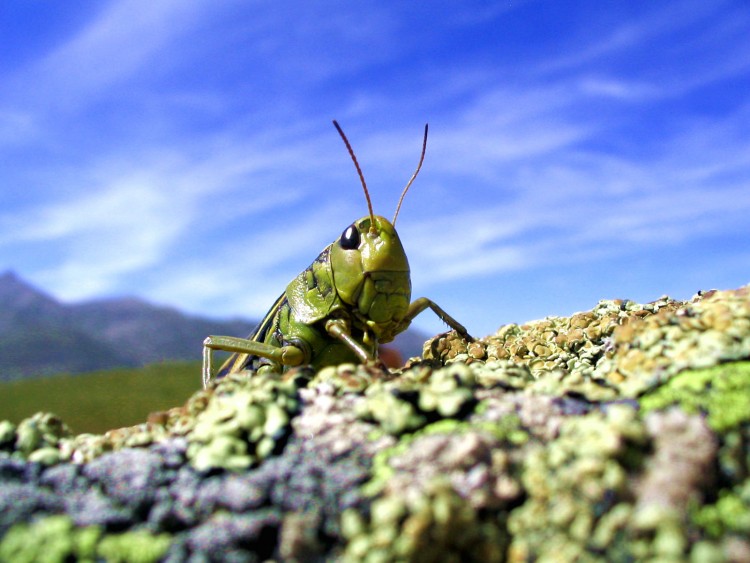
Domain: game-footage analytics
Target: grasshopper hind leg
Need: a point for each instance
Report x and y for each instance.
(293, 354)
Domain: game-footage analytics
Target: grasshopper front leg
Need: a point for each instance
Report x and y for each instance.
(340, 329)
(288, 355)
(419, 305)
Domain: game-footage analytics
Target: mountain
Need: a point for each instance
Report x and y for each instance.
(40, 336)
(21, 304)
(148, 332)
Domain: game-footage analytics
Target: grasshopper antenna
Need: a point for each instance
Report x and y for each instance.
(421, 160)
(361, 176)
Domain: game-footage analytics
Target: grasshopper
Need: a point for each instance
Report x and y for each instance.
(355, 295)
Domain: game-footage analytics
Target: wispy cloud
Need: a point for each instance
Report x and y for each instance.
(128, 216)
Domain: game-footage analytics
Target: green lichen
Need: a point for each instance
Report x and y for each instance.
(40, 438)
(243, 424)
(709, 329)
(346, 378)
(7, 434)
(502, 373)
(419, 396)
(53, 539)
(720, 392)
(137, 546)
(392, 410)
(579, 500)
(435, 524)
(729, 515)
(50, 539)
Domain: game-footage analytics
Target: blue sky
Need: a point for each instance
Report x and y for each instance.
(183, 151)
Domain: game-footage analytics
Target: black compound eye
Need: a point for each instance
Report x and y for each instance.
(349, 238)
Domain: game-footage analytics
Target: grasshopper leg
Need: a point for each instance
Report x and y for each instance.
(339, 329)
(289, 355)
(419, 305)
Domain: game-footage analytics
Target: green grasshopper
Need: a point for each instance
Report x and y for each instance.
(355, 295)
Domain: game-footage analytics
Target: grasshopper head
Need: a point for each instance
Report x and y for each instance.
(371, 271)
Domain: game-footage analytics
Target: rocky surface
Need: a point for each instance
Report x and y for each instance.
(617, 434)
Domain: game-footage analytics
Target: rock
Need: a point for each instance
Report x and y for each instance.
(620, 433)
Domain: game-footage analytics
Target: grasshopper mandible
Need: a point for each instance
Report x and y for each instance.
(355, 295)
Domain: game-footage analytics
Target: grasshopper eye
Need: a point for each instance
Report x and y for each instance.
(349, 238)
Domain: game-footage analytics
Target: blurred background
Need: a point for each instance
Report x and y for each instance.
(183, 152)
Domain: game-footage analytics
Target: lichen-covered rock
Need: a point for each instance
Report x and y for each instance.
(620, 346)
(616, 434)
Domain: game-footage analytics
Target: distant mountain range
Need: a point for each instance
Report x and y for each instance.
(40, 336)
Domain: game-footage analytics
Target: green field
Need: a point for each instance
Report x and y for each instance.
(100, 401)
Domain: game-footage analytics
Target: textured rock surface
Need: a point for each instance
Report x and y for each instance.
(617, 434)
